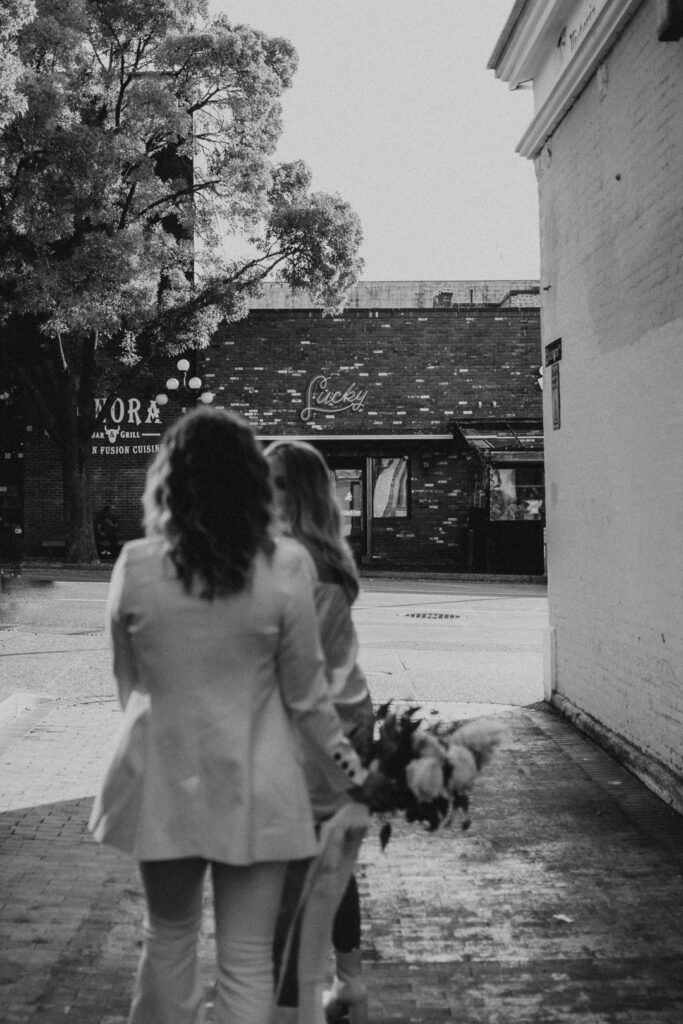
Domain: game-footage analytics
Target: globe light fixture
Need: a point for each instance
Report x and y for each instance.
(177, 386)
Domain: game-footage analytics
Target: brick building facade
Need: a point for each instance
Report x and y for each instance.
(607, 141)
(403, 402)
(120, 454)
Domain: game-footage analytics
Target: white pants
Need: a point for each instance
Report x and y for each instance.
(168, 987)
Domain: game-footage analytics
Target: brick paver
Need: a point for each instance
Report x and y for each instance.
(563, 903)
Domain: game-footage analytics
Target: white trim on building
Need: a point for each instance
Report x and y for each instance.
(557, 46)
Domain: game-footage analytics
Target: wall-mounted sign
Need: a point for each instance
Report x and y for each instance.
(553, 352)
(321, 397)
(555, 394)
(577, 28)
(132, 427)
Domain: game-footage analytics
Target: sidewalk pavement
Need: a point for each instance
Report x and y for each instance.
(562, 903)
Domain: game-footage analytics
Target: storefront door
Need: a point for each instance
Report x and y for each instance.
(349, 483)
(507, 528)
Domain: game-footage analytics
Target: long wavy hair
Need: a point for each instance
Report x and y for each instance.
(208, 495)
(312, 511)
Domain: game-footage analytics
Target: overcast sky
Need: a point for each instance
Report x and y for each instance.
(394, 108)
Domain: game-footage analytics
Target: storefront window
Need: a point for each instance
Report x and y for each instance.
(516, 492)
(348, 485)
(390, 488)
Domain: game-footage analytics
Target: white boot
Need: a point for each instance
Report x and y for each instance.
(348, 996)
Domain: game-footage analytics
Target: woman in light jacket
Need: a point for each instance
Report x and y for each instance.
(307, 509)
(216, 656)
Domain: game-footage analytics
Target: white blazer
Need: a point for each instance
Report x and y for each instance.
(205, 763)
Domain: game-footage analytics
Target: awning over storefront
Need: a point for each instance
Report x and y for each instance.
(368, 438)
(513, 440)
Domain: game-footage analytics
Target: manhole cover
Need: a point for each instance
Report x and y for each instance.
(431, 615)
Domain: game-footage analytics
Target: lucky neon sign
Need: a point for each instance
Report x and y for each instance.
(320, 397)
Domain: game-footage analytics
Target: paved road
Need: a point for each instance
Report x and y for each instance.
(421, 641)
(52, 640)
(459, 642)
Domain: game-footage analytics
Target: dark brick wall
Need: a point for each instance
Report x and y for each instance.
(118, 464)
(421, 370)
(435, 535)
(43, 514)
(117, 481)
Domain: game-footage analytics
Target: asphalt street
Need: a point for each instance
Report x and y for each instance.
(460, 642)
(421, 640)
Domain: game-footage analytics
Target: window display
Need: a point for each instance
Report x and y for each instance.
(516, 492)
(390, 488)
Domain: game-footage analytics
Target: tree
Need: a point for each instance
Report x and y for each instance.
(13, 15)
(139, 134)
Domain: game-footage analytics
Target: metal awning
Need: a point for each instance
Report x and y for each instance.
(320, 436)
(494, 438)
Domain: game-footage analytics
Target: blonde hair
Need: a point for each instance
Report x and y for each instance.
(312, 511)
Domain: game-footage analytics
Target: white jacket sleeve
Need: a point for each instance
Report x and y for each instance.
(304, 684)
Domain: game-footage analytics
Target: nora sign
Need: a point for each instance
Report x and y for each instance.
(132, 427)
(321, 397)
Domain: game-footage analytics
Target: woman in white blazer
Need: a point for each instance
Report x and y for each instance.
(216, 658)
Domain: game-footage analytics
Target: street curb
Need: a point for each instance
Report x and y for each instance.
(93, 572)
(451, 577)
(57, 571)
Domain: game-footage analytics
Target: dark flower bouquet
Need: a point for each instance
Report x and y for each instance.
(429, 767)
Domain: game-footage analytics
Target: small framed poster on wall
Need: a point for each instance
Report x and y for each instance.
(555, 394)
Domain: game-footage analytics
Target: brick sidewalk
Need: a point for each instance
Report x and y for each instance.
(563, 903)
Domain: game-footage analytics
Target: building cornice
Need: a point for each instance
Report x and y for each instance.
(557, 45)
(526, 41)
(510, 25)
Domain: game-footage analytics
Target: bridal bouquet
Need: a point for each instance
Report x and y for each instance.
(430, 767)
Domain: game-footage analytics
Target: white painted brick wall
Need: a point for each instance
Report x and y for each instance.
(611, 198)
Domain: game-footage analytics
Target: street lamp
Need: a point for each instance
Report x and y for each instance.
(193, 385)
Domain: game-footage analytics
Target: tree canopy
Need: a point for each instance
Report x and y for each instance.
(13, 14)
(134, 136)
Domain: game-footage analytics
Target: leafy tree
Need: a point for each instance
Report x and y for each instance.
(13, 14)
(138, 134)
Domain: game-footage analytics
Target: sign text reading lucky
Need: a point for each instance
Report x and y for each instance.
(321, 398)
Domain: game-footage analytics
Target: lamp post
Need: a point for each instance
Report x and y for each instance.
(192, 385)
